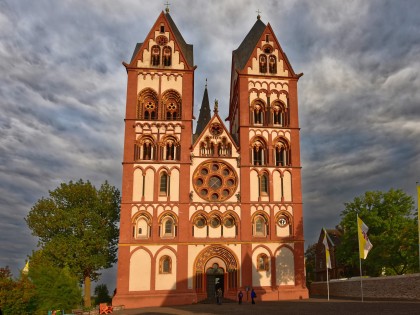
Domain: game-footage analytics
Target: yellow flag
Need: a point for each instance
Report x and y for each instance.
(364, 244)
(327, 251)
(26, 268)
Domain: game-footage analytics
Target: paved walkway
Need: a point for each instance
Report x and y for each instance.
(311, 306)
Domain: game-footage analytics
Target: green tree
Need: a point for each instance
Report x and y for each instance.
(310, 261)
(77, 227)
(102, 294)
(55, 288)
(16, 296)
(392, 230)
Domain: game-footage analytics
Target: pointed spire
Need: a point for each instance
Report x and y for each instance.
(204, 116)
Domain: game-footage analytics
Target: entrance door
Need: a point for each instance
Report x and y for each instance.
(215, 280)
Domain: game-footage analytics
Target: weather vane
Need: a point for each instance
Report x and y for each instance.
(167, 7)
(258, 12)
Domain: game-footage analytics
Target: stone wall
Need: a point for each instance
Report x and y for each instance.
(406, 287)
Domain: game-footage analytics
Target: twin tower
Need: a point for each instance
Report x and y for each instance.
(220, 207)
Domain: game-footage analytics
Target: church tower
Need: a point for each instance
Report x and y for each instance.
(218, 208)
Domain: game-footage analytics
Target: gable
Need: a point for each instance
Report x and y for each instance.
(261, 40)
(163, 34)
(215, 133)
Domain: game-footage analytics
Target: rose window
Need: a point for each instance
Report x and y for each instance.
(215, 181)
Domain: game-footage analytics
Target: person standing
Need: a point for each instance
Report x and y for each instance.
(240, 296)
(219, 294)
(253, 296)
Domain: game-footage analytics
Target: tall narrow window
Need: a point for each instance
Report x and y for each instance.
(170, 151)
(168, 226)
(272, 64)
(148, 150)
(155, 55)
(263, 63)
(264, 184)
(282, 153)
(164, 179)
(167, 56)
(258, 153)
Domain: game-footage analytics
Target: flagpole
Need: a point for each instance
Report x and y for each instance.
(418, 215)
(328, 286)
(360, 259)
(361, 281)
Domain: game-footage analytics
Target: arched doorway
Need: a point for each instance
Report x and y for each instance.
(216, 266)
(215, 279)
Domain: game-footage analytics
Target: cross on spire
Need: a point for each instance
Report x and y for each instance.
(258, 12)
(167, 6)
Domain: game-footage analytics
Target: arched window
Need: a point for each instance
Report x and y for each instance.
(142, 227)
(260, 226)
(167, 56)
(282, 153)
(147, 108)
(272, 64)
(279, 114)
(263, 262)
(258, 113)
(170, 149)
(155, 60)
(145, 149)
(263, 63)
(164, 184)
(264, 184)
(165, 264)
(172, 104)
(168, 227)
(258, 153)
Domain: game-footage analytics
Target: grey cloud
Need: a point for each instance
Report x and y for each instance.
(62, 94)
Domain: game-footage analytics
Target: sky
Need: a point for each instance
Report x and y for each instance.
(63, 85)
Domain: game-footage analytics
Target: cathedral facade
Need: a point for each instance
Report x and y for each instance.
(219, 207)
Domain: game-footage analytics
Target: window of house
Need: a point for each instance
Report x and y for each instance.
(165, 264)
(142, 227)
(258, 153)
(263, 63)
(260, 226)
(168, 227)
(164, 184)
(155, 60)
(262, 262)
(264, 184)
(148, 150)
(272, 64)
(282, 153)
(167, 56)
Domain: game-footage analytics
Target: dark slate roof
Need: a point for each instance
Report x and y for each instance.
(205, 115)
(245, 49)
(138, 45)
(187, 49)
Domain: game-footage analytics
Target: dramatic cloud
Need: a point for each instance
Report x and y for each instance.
(62, 89)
